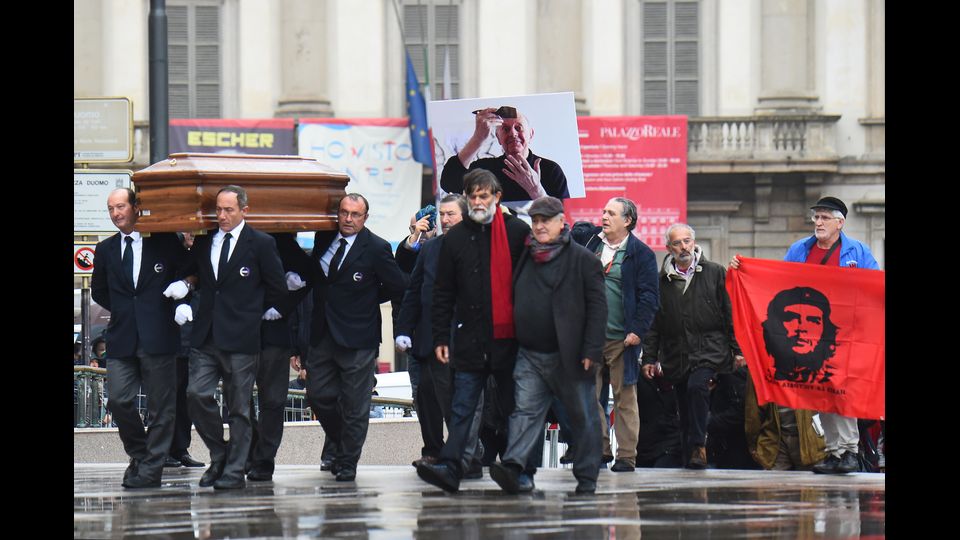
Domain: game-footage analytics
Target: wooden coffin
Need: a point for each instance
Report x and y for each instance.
(285, 193)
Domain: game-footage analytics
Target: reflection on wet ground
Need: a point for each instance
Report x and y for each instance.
(391, 502)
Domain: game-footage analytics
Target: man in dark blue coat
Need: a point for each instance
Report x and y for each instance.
(131, 277)
(240, 283)
(630, 271)
(414, 333)
(354, 272)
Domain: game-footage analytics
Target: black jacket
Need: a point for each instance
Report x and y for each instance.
(463, 281)
(692, 328)
(552, 179)
(143, 315)
(413, 320)
(349, 306)
(578, 307)
(232, 308)
(278, 333)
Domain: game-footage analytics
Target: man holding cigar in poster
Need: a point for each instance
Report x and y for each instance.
(523, 175)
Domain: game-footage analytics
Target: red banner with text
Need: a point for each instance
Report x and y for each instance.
(642, 158)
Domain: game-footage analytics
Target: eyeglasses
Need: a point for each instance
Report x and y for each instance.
(818, 217)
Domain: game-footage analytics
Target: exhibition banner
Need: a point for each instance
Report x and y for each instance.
(642, 158)
(272, 136)
(376, 154)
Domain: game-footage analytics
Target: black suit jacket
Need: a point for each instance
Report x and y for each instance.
(143, 315)
(414, 319)
(349, 306)
(251, 282)
(294, 259)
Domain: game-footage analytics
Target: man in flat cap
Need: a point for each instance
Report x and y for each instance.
(560, 313)
(523, 175)
(829, 246)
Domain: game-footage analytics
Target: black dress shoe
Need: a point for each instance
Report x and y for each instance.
(425, 459)
(171, 463)
(346, 475)
(257, 475)
(525, 483)
(506, 476)
(132, 469)
(139, 482)
(567, 456)
(187, 461)
(622, 465)
(827, 466)
(226, 483)
(606, 459)
(439, 475)
(326, 465)
(212, 474)
(848, 463)
(474, 471)
(585, 487)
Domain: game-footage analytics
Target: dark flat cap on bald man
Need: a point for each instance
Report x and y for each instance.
(546, 207)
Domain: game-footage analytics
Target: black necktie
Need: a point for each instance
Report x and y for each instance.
(335, 261)
(224, 252)
(126, 261)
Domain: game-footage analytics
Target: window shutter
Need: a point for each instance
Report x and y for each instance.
(671, 57)
(436, 29)
(193, 48)
(686, 99)
(178, 58)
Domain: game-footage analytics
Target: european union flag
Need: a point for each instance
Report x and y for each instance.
(417, 111)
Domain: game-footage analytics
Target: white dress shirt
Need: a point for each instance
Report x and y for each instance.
(218, 241)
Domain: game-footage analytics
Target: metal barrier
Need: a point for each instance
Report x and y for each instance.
(91, 402)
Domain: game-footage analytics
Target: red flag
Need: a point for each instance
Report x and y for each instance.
(813, 336)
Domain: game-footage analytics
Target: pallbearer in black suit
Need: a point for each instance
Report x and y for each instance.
(131, 276)
(274, 366)
(240, 282)
(357, 273)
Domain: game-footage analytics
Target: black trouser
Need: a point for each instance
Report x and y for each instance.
(433, 401)
(272, 381)
(339, 388)
(156, 374)
(693, 397)
(466, 389)
(238, 370)
(182, 423)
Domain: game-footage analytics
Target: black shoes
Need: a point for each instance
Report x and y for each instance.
(138, 482)
(346, 475)
(425, 459)
(326, 465)
(212, 474)
(846, 463)
(567, 456)
(698, 458)
(131, 470)
(510, 479)
(622, 465)
(474, 471)
(226, 483)
(171, 463)
(606, 459)
(439, 475)
(257, 475)
(827, 466)
(187, 461)
(586, 487)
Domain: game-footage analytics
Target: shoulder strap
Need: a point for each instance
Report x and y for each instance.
(830, 251)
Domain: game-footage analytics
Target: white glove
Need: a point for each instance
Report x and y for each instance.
(176, 290)
(294, 282)
(271, 315)
(184, 313)
(403, 343)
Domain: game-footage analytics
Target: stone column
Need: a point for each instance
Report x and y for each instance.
(304, 87)
(559, 58)
(787, 67)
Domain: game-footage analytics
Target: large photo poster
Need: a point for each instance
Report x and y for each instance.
(642, 158)
(376, 154)
(542, 128)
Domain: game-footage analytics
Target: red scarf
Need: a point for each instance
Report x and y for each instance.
(501, 278)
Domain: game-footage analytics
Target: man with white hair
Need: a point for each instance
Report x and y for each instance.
(691, 339)
(523, 175)
(829, 246)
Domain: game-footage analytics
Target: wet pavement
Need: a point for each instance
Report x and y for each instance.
(388, 502)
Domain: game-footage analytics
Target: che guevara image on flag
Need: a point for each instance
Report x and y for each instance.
(813, 336)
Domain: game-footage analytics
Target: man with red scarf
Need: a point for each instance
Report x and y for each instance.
(474, 284)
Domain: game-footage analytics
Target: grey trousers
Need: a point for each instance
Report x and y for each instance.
(840, 433)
